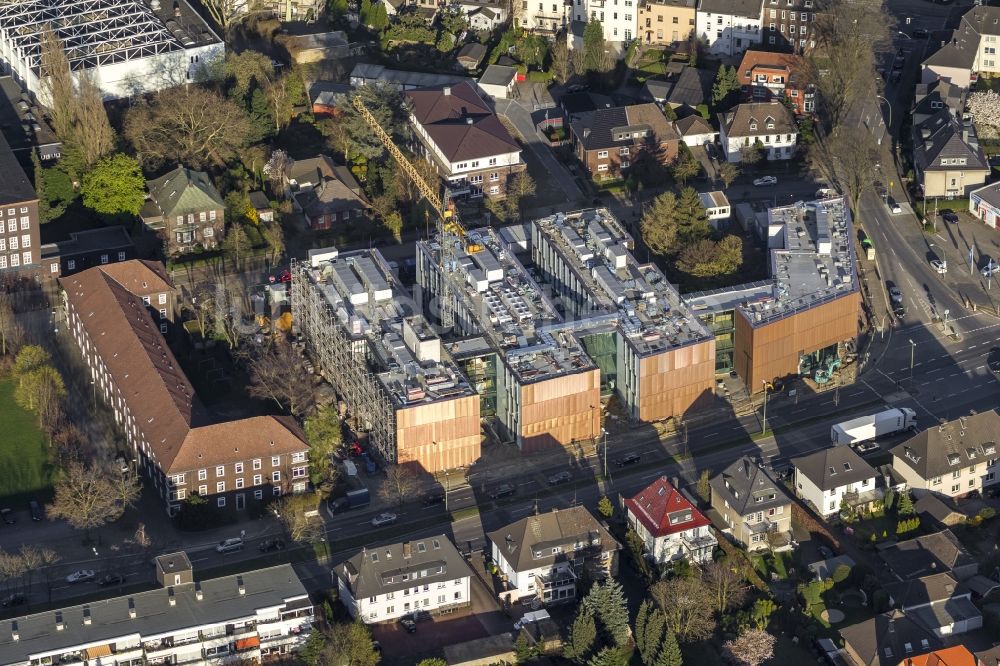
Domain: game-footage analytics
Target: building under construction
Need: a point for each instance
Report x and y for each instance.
(384, 360)
(595, 323)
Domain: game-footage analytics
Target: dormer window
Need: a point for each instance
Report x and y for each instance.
(847, 467)
(753, 126)
(770, 126)
(833, 471)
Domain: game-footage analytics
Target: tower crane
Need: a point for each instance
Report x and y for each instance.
(447, 216)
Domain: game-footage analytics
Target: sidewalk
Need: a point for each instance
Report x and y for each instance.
(952, 243)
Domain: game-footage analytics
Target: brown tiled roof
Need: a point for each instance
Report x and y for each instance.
(141, 277)
(180, 432)
(460, 123)
(791, 63)
(738, 122)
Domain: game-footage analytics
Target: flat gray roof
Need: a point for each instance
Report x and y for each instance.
(38, 635)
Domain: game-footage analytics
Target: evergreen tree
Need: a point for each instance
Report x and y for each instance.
(582, 635)
(611, 656)
(366, 11)
(337, 8)
(261, 117)
(693, 220)
(593, 47)
(649, 646)
(44, 210)
(670, 651)
(379, 18)
(659, 226)
(904, 504)
(640, 627)
(607, 602)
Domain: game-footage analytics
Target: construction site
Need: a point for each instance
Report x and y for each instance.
(384, 360)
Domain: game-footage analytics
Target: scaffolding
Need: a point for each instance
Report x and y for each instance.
(342, 364)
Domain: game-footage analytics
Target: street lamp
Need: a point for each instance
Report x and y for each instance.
(764, 420)
(913, 346)
(605, 433)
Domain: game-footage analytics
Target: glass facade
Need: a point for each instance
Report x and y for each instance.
(482, 374)
(602, 349)
(723, 325)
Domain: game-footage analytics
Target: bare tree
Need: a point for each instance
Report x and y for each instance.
(854, 156)
(686, 603)
(400, 484)
(299, 515)
(752, 648)
(86, 497)
(11, 331)
(274, 235)
(227, 14)
(725, 581)
(57, 82)
(275, 375)
(47, 558)
(848, 35)
(126, 487)
(236, 245)
(192, 124)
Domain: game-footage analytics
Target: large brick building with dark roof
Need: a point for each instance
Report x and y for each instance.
(181, 446)
(19, 240)
(609, 141)
(464, 140)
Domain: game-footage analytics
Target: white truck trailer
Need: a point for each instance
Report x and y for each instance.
(866, 428)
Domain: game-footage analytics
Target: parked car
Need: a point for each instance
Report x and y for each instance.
(420, 616)
(15, 599)
(920, 33)
(895, 295)
(408, 624)
(271, 544)
(939, 266)
(37, 514)
(559, 477)
(432, 498)
(7, 516)
(503, 490)
(111, 579)
(80, 576)
(384, 519)
(764, 181)
(899, 310)
(627, 459)
(712, 151)
(894, 207)
(949, 216)
(989, 270)
(230, 545)
(866, 448)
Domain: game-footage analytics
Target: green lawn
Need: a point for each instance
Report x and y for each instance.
(22, 452)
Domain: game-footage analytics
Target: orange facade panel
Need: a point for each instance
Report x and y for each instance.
(559, 411)
(773, 350)
(674, 382)
(439, 435)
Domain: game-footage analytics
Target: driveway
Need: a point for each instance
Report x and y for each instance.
(520, 118)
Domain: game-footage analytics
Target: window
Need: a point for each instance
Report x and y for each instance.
(13, 242)
(602, 167)
(202, 474)
(625, 164)
(239, 482)
(955, 488)
(495, 189)
(208, 232)
(956, 474)
(275, 461)
(11, 225)
(298, 472)
(211, 215)
(202, 490)
(238, 468)
(257, 479)
(972, 483)
(258, 494)
(220, 470)
(26, 242)
(25, 258)
(256, 463)
(936, 481)
(202, 216)
(299, 457)
(121, 256)
(163, 313)
(276, 491)
(494, 177)
(753, 126)
(163, 328)
(493, 161)
(601, 154)
(145, 300)
(220, 502)
(220, 487)
(623, 150)
(54, 268)
(276, 476)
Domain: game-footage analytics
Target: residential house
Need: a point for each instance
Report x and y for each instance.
(788, 25)
(695, 130)
(261, 206)
(984, 204)
(498, 81)
(956, 655)
(939, 602)
(947, 158)
(930, 98)
(988, 657)
(482, 14)
(757, 512)
(716, 206)
(19, 226)
(326, 96)
(690, 87)
(670, 526)
(383, 583)
(262, 615)
(938, 552)
(833, 477)
(325, 193)
(613, 139)
(177, 442)
(543, 556)
(85, 249)
(618, 22)
(458, 133)
(729, 27)
(970, 51)
(24, 125)
(952, 459)
(666, 21)
(187, 209)
(888, 639)
(937, 511)
(544, 17)
(766, 76)
(767, 125)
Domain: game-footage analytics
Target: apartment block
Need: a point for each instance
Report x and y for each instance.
(372, 344)
(666, 21)
(544, 17)
(117, 315)
(20, 251)
(610, 141)
(952, 459)
(383, 583)
(260, 616)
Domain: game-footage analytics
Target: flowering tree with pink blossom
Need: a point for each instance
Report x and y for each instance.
(984, 107)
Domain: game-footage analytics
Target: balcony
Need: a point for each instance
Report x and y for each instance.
(556, 579)
(699, 548)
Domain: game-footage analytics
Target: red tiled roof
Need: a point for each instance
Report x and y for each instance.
(658, 502)
(791, 63)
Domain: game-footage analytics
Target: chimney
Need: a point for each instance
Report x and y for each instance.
(14, 633)
(171, 598)
(586, 132)
(59, 621)
(86, 614)
(468, 121)
(928, 145)
(407, 550)
(239, 585)
(131, 608)
(197, 592)
(447, 91)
